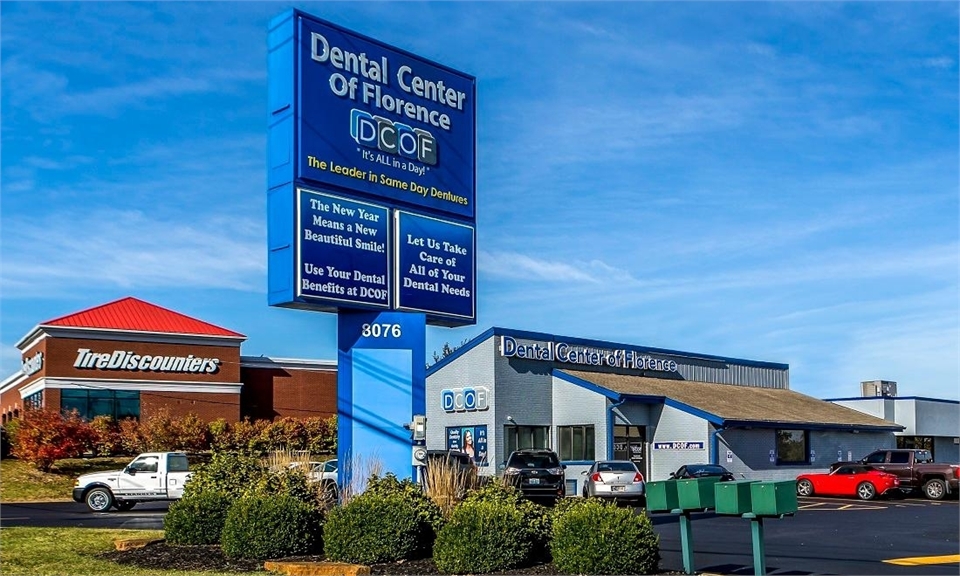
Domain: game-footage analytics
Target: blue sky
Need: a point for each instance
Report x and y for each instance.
(773, 181)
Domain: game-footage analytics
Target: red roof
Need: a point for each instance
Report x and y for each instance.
(138, 316)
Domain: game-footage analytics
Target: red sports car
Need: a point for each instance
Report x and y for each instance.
(864, 482)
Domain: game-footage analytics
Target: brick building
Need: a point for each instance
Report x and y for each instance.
(130, 358)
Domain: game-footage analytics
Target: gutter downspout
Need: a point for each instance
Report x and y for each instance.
(610, 422)
(715, 444)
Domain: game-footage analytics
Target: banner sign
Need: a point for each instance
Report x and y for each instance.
(343, 246)
(384, 122)
(678, 445)
(469, 439)
(436, 266)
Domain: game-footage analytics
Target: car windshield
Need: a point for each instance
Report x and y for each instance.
(616, 467)
(706, 470)
(533, 461)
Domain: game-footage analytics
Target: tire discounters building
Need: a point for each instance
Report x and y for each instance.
(130, 358)
(590, 400)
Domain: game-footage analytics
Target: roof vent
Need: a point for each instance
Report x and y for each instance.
(883, 388)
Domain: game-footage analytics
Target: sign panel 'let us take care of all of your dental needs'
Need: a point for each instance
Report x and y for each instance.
(372, 176)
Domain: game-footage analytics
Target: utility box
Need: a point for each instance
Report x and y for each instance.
(697, 493)
(733, 497)
(662, 496)
(774, 498)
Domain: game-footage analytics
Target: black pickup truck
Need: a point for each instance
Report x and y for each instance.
(916, 470)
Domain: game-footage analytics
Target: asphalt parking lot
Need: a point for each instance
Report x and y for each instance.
(826, 536)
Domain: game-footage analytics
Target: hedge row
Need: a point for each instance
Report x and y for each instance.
(45, 436)
(253, 514)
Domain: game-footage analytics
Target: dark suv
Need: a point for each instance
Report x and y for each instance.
(537, 473)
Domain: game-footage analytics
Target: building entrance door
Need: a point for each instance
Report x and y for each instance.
(630, 443)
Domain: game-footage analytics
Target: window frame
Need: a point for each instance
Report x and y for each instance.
(512, 433)
(567, 442)
(780, 448)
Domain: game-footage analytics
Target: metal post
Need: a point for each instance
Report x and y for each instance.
(686, 541)
(759, 556)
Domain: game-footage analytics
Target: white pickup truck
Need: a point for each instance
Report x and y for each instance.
(150, 477)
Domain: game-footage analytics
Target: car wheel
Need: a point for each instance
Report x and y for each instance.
(866, 491)
(124, 506)
(99, 499)
(935, 489)
(804, 488)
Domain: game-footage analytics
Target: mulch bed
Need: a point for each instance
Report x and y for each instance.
(163, 556)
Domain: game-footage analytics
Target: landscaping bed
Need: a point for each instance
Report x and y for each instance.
(163, 556)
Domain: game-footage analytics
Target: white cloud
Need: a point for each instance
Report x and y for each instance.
(106, 248)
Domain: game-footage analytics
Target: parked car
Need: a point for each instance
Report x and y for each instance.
(853, 480)
(537, 473)
(459, 460)
(318, 471)
(149, 477)
(916, 470)
(618, 480)
(702, 471)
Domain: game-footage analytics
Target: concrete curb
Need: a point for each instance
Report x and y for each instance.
(317, 568)
(134, 543)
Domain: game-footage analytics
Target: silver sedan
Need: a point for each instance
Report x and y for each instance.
(618, 480)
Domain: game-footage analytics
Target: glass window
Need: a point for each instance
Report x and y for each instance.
(576, 442)
(177, 463)
(876, 458)
(117, 404)
(521, 437)
(145, 464)
(628, 442)
(792, 447)
(916, 442)
(899, 457)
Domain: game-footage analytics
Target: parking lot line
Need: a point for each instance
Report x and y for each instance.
(923, 560)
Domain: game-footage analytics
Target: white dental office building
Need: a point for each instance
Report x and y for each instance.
(591, 400)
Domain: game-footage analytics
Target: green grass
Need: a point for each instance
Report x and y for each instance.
(71, 551)
(21, 482)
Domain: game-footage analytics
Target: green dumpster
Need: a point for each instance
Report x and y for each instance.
(696, 493)
(774, 498)
(662, 496)
(733, 497)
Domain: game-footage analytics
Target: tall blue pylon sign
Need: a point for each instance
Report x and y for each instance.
(371, 214)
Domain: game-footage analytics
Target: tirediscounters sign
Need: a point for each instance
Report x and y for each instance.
(361, 132)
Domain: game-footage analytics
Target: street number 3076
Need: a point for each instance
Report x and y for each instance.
(381, 330)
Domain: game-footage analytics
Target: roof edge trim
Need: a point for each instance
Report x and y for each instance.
(561, 375)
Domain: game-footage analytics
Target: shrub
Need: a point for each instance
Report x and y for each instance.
(427, 510)
(600, 538)
(321, 435)
(160, 431)
(220, 435)
(230, 473)
(374, 528)
(132, 440)
(46, 436)
(105, 436)
(536, 517)
(483, 536)
(291, 482)
(197, 519)
(191, 433)
(267, 527)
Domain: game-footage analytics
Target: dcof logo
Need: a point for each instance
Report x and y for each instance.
(464, 399)
(393, 137)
